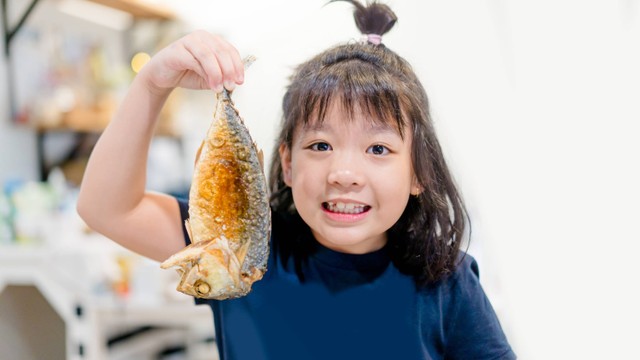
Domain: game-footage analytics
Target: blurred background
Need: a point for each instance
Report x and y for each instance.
(535, 104)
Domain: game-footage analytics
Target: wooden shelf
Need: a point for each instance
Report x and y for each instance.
(161, 131)
(95, 118)
(139, 9)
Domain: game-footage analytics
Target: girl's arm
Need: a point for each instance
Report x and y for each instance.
(113, 200)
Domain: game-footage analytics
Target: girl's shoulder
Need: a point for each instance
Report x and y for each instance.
(458, 289)
(465, 276)
(470, 324)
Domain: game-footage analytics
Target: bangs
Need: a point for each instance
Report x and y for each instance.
(355, 86)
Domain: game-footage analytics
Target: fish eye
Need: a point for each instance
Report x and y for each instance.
(201, 287)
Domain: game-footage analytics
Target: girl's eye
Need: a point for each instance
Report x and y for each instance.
(378, 150)
(320, 146)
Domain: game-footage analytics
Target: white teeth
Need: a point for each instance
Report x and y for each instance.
(348, 208)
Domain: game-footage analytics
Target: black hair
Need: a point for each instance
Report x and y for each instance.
(425, 241)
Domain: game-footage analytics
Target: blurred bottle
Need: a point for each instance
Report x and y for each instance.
(7, 233)
(34, 203)
(122, 286)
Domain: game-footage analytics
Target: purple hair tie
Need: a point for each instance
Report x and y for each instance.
(375, 39)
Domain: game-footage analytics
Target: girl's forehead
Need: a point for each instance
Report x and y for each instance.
(338, 116)
(358, 123)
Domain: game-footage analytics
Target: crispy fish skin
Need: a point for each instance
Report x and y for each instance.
(229, 214)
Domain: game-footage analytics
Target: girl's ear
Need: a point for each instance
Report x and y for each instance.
(416, 188)
(285, 162)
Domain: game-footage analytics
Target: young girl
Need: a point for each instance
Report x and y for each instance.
(365, 258)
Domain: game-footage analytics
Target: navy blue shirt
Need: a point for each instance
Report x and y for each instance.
(316, 303)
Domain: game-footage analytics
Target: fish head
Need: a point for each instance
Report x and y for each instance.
(209, 270)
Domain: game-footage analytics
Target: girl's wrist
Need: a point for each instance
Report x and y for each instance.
(144, 80)
(145, 99)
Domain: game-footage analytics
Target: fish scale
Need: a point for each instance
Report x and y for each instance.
(229, 215)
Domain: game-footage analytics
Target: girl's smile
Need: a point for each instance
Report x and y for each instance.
(350, 178)
(345, 210)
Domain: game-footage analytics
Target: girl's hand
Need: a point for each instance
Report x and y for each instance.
(199, 60)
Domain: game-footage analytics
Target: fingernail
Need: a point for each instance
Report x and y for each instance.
(229, 85)
(218, 88)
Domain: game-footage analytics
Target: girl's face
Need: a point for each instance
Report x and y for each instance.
(351, 179)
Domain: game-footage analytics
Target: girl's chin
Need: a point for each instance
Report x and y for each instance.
(350, 245)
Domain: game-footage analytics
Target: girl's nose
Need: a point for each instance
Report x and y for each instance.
(346, 171)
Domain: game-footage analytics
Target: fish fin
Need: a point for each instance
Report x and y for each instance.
(187, 225)
(260, 158)
(247, 61)
(242, 252)
(198, 153)
(183, 257)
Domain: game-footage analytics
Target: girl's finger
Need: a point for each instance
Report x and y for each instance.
(229, 60)
(228, 70)
(175, 66)
(225, 55)
(207, 60)
(187, 61)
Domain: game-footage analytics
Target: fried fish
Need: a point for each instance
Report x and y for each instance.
(229, 215)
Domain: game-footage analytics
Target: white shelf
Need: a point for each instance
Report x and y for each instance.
(54, 272)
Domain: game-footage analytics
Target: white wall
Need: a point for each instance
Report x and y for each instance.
(535, 105)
